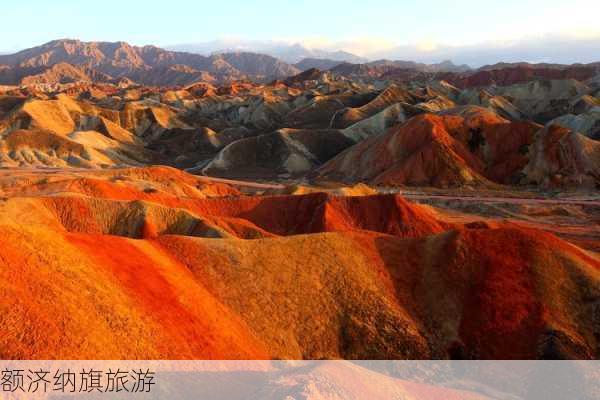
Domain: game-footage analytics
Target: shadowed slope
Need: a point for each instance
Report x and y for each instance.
(561, 157)
(391, 95)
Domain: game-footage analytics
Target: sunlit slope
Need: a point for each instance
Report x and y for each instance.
(135, 273)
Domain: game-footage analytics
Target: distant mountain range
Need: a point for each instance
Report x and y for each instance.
(540, 49)
(67, 60)
(290, 53)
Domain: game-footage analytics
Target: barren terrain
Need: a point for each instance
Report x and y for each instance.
(364, 212)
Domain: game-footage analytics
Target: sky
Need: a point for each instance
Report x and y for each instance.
(373, 28)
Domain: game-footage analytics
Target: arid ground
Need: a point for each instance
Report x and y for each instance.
(155, 205)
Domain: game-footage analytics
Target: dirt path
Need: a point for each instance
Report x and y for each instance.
(509, 200)
(248, 184)
(408, 195)
(74, 171)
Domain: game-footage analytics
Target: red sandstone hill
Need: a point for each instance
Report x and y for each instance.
(474, 147)
(95, 261)
(280, 131)
(522, 73)
(563, 158)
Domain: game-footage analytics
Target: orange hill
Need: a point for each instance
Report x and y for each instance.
(141, 271)
(470, 146)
